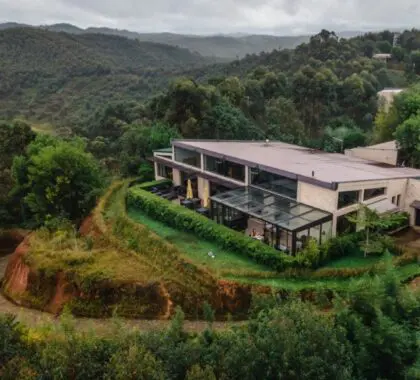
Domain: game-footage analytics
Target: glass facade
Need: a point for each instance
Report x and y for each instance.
(225, 168)
(285, 220)
(188, 157)
(273, 182)
(372, 193)
(348, 198)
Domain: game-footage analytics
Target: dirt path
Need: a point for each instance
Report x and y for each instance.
(33, 318)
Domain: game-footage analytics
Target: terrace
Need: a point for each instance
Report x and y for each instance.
(280, 222)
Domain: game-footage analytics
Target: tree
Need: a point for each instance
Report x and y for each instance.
(226, 122)
(14, 138)
(408, 140)
(135, 363)
(384, 47)
(398, 53)
(57, 181)
(415, 61)
(283, 121)
(372, 223)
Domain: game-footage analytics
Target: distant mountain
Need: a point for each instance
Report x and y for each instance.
(61, 77)
(9, 25)
(223, 46)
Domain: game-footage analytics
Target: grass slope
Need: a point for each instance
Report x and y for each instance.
(196, 250)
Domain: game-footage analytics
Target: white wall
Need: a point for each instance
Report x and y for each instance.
(387, 156)
(413, 194)
(176, 177)
(327, 200)
(324, 199)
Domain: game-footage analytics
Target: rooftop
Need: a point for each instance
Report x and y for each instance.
(301, 162)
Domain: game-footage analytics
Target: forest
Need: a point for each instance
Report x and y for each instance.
(369, 334)
(323, 94)
(83, 113)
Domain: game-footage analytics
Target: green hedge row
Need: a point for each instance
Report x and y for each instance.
(184, 219)
(149, 185)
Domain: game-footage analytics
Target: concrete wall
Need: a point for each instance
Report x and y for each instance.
(412, 194)
(316, 196)
(327, 200)
(176, 177)
(387, 156)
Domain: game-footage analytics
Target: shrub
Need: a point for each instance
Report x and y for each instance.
(340, 246)
(310, 256)
(186, 220)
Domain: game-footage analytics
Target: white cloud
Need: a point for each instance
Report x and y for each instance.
(217, 16)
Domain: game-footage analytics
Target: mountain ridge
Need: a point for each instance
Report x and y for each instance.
(218, 45)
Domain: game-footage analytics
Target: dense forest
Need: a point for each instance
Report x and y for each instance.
(110, 102)
(369, 334)
(60, 77)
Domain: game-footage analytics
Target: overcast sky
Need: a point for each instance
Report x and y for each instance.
(218, 16)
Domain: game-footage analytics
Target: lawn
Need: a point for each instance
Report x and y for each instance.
(196, 250)
(353, 261)
(340, 284)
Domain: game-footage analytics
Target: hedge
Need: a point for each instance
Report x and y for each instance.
(149, 185)
(184, 219)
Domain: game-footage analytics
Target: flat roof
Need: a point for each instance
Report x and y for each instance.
(299, 162)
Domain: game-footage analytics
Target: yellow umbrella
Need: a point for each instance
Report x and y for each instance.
(189, 190)
(206, 197)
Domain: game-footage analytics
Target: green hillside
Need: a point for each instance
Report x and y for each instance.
(44, 74)
(222, 46)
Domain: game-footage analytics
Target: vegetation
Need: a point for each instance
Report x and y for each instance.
(402, 122)
(290, 338)
(196, 250)
(183, 219)
(56, 179)
(47, 70)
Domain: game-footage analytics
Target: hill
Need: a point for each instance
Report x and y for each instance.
(222, 46)
(54, 76)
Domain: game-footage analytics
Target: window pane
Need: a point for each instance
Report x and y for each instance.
(274, 182)
(347, 198)
(225, 168)
(188, 157)
(372, 193)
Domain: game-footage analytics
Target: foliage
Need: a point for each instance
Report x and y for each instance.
(14, 138)
(408, 139)
(187, 220)
(59, 180)
(373, 225)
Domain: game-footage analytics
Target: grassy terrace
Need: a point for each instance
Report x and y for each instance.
(225, 263)
(232, 266)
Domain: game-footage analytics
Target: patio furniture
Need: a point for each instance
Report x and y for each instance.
(203, 211)
(187, 203)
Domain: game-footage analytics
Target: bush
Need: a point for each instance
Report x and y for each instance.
(340, 246)
(186, 220)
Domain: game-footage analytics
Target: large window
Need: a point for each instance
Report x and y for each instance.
(225, 168)
(347, 198)
(372, 193)
(274, 182)
(164, 171)
(188, 157)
